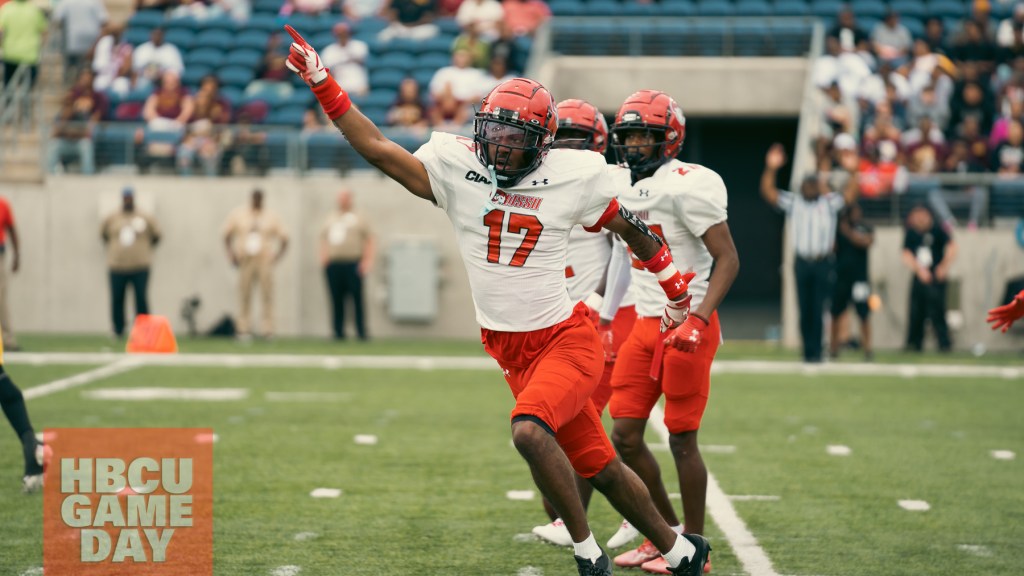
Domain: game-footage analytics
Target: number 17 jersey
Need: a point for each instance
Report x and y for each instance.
(514, 241)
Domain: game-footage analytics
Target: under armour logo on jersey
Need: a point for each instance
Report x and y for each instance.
(539, 182)
(645, 193)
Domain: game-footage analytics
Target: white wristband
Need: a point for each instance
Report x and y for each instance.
(594, 300)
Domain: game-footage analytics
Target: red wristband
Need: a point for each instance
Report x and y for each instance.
(675, 286)
(659, 261)
(332, 98)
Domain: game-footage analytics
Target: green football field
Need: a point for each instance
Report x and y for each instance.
(430, 497)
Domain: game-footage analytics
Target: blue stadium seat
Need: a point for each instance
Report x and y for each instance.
(791, 8)
(568, 8)
(401, 45)
(914, 25)
(380, 98)
(218, 39)
(638, 9)
(423, 76)
(710, 38)
(264, 22)
(671, 38)
(603, 8)
(1007, 199)
(287, 116)
(678, 8)
(114, 144)
(220, 23)
(790, 39)
(323, 149)
(826, 8)
(146, 19)
(399, 60)
(194, 73)
(279, 148)
(267, 6)
(387, 78)
(370, 26)
(910, 8)
(185, 22)
(233, 95)
(378, 116)
(251, 40)
(440, 43)
(433, 60)
(303, 98)
(238, 76)
(321, 40)
(180, 38)
(947, 9)
(136, 36)
(244, 57)
(750, 39)
(448, 26)
(754, 8)
(714, 8)
(208, 57)
(869, 9)
(309, 25)
(270, 96)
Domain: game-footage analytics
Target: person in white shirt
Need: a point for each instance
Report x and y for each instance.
(512, 202)
(486, 15)
(685, 204)
(461, 78)
(82, 20)
(151, 59)
(346, 58)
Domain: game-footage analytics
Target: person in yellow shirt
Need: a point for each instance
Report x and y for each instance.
(255, 240)
(13, 404)
(346, 254)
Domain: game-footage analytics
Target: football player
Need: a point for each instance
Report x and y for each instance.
(685, 204)
(512, 202)
(13, 404)
(1003, 317)
(581, 126)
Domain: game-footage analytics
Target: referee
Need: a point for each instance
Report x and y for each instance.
(813, 215)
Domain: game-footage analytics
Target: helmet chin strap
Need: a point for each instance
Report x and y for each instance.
(489, 204)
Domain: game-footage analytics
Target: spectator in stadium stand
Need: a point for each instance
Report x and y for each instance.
(22, 25)
(1010, 34)
(410, 19)
(837, 114)
(202, 142)
(194, 9)
(1008, 156)
(355, 10)
(928, 251)
(813, 215)
(853, 285)
(312, 123)
(130, 236)
(497, 72)
(347, 59)
(8, 230)
(523, 17)
(924, 147)
(346, 255)
(852, 38)
(485, 15)
(978, 151)
(1013, 109)
(81, 111)
(448, 113)
(408, 110)
(459, 79)
(927, 103)
(310, 7)
(255, 240)
(879, 168)
(935, 35)
(245, 148)
(891, 40)
(167, 111)
(973, 47)
(470, 41)
(151, 59)
(112, 61)
(505, 48)
(83, 20)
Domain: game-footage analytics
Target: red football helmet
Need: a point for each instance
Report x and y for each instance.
(514, 129)
(657, 114)
(582, 126)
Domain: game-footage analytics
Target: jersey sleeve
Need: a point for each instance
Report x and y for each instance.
(600, 204)
(785, 201)
(836, 201)
(431, 154)
(705, 202)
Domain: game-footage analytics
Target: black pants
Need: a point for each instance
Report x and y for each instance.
(813, 287)
(118, 286)
(344, 282)
(11, 67)
(927, 302)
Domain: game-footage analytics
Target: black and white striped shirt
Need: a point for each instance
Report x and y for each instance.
(813, 222)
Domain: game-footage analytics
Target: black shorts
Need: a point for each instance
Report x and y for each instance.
(853, 290)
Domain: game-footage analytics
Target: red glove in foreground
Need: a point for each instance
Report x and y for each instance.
(687, 337)
(1002, 317)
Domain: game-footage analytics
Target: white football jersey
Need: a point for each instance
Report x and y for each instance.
(587, 261)
(514, 241)
(679, 202)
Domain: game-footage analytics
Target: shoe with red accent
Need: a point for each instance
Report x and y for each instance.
(626, 534)
(554, 533)
(660, 566)
(637, 557)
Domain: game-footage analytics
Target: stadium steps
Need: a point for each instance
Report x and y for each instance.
(23, 163)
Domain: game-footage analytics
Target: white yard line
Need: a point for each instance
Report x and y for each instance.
(481, 363)
(124, 364)
(750, 554)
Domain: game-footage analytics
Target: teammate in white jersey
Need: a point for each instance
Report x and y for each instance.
(582, 127)
(512, 204)
(685, 204)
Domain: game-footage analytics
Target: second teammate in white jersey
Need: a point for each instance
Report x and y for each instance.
(685, 204)
(512, 202)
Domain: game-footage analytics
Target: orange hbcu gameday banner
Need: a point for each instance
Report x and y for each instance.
(120, 501)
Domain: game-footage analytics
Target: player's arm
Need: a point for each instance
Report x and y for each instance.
(12, 230)
(398, 163)
(718, 240)
(856, 237)
(773, 160)
(656, 258)
(942, 270)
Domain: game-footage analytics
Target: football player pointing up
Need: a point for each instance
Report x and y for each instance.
(512, 226)
(685, 204)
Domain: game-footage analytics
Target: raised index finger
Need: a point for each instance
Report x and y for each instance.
(295, 35)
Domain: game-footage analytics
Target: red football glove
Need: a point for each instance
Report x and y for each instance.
(303, 59)
(687, 337)
(1004, 316)
(607, 341)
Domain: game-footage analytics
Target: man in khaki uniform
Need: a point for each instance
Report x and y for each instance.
(251, 235)
(346, 253)
(130, 236)
(7, 229)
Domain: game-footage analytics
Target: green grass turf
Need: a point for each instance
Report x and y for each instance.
(430, 497)
(732, 350)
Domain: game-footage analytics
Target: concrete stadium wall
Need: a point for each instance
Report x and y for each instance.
(63, 286)
(986, 260)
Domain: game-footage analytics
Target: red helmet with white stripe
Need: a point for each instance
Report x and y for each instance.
(655, 125)
(581, 126)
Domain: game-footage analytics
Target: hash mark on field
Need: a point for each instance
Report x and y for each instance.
(754, 498)
(976, 549)
(366, 439)
(915, 505)
(144, 394)
(33, 572)
(123, 365)
(286, 571)
(750, 554)
(838, 450)
(1003, 454)
(519, 494)
(304, 536)
(325, 493)
(530, 571)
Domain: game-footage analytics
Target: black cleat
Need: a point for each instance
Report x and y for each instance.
(602, 567)
(694, 566)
